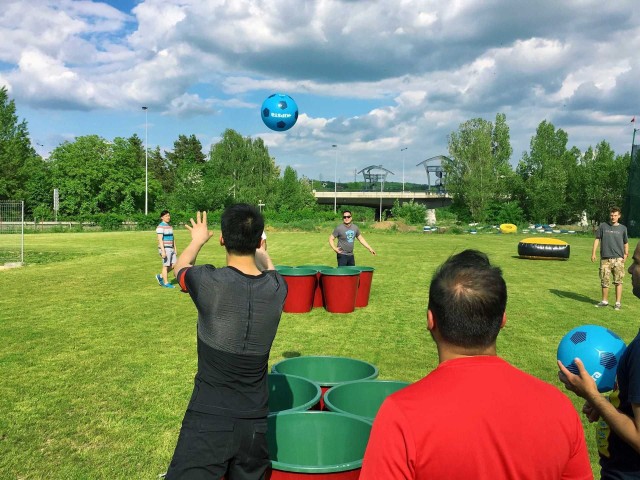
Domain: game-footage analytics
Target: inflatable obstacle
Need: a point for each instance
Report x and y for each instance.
(543, 249)
(508, 228)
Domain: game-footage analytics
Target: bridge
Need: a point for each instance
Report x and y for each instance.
(384, 199)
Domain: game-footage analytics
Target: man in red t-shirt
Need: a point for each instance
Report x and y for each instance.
(475, 416)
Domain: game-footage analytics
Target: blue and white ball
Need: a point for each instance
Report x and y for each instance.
(279, 112)
(599, 349)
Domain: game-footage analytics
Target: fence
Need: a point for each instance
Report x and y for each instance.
(11, 233)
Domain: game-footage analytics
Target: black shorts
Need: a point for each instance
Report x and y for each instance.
(211, 446)
(346, 260)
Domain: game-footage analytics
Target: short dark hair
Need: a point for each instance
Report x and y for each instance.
(615, 208)
(163, 213)
(468, 297)
(347, 211)
(242, 226)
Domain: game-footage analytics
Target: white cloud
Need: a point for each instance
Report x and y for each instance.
(409, 70)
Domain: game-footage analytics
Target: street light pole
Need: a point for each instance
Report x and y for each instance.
(146, 163)
(402, 150)
(335, 182)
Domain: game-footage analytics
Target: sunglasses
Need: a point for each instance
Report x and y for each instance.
(346, 216)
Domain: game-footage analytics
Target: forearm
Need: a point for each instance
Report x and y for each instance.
(594, 251)
(263, 261)
(364, 243)
(332, 244)
(623, 425)
(188, 256)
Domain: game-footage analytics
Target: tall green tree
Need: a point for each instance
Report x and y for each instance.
(606, 177)
(22, 172)
(241, 169)
(293, 193)
(479, 166)
(187, 163)
(545, 176)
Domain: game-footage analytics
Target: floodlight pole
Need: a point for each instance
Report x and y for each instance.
(402, 150)
(335, 182)
(146, 162)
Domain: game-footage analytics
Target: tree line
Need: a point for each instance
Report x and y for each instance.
(550, 184)
(94, 176)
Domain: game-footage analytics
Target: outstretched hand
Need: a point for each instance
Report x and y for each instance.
(582, 384)
(198, 228)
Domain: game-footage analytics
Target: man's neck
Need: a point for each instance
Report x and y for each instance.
(245, 263)
(451, 352)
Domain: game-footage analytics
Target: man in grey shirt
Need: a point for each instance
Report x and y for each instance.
(346, 233)
(614, 250)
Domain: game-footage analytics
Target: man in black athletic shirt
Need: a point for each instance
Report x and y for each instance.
(239, 308)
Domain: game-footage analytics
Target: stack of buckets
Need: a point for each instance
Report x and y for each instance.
(338, 290)
(322, 409)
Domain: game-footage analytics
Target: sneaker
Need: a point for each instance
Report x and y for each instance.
(168, 285)
(602, 304)
(617, 306)
(159, 279)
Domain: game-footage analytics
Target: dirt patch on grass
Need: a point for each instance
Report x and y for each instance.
(393, 225)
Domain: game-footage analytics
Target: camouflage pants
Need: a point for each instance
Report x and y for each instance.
(611, 267)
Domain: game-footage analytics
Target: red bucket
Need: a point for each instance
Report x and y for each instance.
(301, 283)
(340, 288)
(317, 299)
(364, 288)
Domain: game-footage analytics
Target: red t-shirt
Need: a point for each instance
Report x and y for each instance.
(477, 418)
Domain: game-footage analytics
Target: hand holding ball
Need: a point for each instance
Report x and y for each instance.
(279, 112)
(598, 348)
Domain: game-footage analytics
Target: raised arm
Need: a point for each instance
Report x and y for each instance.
(199, 236)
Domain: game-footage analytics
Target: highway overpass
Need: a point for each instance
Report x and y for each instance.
(375, 199)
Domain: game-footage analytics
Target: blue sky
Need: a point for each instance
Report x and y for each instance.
(371, 76)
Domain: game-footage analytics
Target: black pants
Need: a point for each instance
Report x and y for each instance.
(210, 446)
(346, 260)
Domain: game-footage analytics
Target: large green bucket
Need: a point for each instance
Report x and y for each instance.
(318, 445)
(327, 371)
(288, 392)
(362, 398)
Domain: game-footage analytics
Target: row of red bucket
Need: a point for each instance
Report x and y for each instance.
(338, 290)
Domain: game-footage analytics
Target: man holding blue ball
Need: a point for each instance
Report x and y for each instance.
(618, 417)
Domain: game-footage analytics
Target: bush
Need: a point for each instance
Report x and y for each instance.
(109, 221)
(410, 212)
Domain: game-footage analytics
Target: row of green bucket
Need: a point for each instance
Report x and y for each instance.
(338, 290)
(322, 409)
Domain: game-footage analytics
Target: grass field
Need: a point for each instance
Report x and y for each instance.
(97, 361)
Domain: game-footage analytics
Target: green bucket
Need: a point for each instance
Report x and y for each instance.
(288, 392)
(326, 444)
(327, 371)
(361, 398)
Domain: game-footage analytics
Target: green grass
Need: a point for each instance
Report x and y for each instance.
(97, 361)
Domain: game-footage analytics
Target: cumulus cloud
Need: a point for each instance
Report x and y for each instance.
(418, 67)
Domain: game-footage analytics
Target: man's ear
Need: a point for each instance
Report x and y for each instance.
(504, 320)
(221, 241)
(431, 321)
